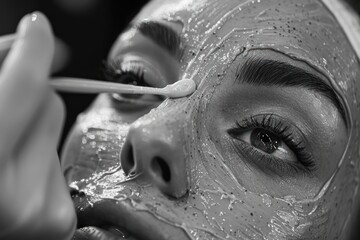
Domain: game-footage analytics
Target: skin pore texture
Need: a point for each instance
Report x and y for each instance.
(218, 187)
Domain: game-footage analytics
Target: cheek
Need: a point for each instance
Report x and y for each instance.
(229, 211)
(219, 201)
(93, 147)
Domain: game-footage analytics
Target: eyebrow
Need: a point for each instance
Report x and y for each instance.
(265, 72)
(162, 35)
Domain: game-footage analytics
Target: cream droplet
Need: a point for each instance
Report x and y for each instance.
(181, 88)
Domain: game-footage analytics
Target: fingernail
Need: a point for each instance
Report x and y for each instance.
(38, 17)
(29, 21)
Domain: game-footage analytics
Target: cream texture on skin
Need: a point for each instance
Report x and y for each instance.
(219, 204)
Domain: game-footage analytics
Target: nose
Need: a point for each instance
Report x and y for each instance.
(155, 149)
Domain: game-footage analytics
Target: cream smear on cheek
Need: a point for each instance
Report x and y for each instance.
(101, 134)
(218, 207)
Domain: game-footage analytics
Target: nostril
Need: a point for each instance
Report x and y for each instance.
(161, 168)
(131, 160)
(128, 159)
(75, 193)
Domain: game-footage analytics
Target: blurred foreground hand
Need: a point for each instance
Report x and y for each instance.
(34, 200)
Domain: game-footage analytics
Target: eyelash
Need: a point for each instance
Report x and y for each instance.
(113, 71)
(279, 128)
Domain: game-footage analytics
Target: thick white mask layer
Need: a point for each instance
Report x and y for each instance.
(218, 206)
(348, 19)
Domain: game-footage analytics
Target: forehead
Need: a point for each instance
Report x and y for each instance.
(303, 30)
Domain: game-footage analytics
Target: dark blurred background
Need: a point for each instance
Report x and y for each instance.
(88, 27)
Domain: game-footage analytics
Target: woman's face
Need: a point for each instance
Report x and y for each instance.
(265, 148)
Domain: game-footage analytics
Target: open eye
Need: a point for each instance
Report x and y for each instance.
(269, 143)
(272, 143)
(135, 71)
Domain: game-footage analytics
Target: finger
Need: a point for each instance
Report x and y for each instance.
(5, 45)
(23, 78)
(6, 41)
(60, 58)
(31, 164)
(40, 165)
(3, 54)
(41, 192)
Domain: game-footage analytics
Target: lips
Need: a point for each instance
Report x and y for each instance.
(112, 219)
(96, 233)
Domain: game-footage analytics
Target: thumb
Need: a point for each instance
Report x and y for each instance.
(23, 78)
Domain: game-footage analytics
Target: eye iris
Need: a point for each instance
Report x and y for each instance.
(265, 140)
